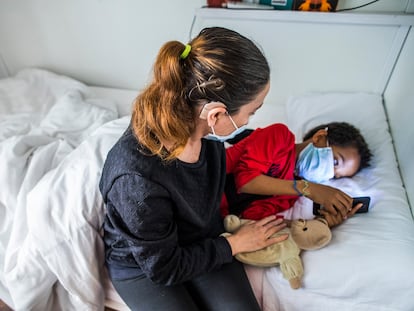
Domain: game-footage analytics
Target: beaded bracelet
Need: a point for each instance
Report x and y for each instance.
(305, 191)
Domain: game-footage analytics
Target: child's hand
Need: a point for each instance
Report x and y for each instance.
(333, 200)
(335, 220)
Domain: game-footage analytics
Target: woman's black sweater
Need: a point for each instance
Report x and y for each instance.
(163, 219)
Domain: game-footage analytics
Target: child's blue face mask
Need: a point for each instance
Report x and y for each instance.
(233, 134)
(315, 164)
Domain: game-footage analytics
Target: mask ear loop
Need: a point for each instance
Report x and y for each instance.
(232, 121)
(212, 130)
(327, 139)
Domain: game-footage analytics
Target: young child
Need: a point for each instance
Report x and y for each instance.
(267, 171)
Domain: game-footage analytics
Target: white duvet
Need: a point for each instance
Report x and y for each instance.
(52, 152)
(44, 117)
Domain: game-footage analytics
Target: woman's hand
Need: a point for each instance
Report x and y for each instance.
(335, 220)
(333, 200)
(255, 235)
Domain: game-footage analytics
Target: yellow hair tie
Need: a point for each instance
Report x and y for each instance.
(186, 51)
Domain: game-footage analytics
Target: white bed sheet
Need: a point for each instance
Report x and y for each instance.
(368, 265)
(56, 261)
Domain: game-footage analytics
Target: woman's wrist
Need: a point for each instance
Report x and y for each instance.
(232, 240)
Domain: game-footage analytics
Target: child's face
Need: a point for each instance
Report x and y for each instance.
(346, 161)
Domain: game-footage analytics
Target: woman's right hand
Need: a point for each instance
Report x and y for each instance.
(255, 235)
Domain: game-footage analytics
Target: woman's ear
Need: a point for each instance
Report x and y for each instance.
(319, 139)
(211, 111)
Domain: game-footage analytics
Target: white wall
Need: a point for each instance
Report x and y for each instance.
(102, 42)
(399, 99)
(380, 6)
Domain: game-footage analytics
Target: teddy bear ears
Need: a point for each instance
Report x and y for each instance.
(232, 223)
(311, 234)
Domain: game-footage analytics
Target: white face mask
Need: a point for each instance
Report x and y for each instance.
(220, 138)
(315, 164)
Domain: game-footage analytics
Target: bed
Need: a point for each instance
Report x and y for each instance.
(54, 135)
(368, 264)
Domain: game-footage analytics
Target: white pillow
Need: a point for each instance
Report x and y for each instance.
(365, 111)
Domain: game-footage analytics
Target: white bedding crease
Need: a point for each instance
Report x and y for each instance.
(54, 137)
(43, 118)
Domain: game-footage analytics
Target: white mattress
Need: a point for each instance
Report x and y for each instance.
(54, 136)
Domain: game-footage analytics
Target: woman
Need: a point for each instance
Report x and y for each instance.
(163, 180)
(262, 169)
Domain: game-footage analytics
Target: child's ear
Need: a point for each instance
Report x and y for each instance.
(211, 111)
(319, 139)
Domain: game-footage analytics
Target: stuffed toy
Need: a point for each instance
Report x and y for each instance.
(303, 235)
(316, 5)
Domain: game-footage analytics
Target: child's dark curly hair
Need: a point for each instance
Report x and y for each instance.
(344, 134)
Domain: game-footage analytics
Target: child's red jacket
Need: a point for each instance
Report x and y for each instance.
(269, 151)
